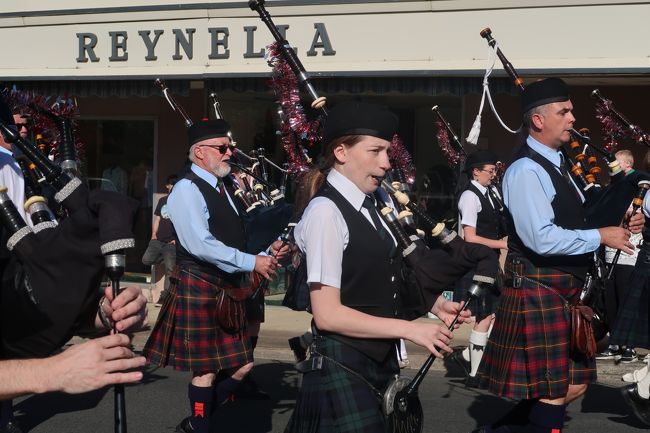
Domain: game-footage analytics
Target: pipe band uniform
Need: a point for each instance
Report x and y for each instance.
(550, 246)
(354, 271)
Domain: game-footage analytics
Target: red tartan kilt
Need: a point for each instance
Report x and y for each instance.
(527, 355)
(187, 335)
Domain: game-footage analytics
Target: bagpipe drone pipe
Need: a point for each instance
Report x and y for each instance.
(52, 272)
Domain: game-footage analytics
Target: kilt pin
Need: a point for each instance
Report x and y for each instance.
(187, 335)
(527, 355)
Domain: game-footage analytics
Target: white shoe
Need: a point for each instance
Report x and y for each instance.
(635, 376)
(403, 363)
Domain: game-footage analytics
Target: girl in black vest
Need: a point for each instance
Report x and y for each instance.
(355, 281)
(482, 221)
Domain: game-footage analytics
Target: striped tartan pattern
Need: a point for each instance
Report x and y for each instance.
(632, 327)
(332, 400)
(527, 355)
(187, 335)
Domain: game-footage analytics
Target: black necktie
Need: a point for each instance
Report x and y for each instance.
(369, 204)
(567, 177)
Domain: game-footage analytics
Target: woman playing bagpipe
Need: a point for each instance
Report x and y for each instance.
(355, 280)
(483, 220)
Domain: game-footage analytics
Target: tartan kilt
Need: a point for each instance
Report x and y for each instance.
(527, 355)
(486, 304)
(332, 400)
(632, 327)
(187, 335)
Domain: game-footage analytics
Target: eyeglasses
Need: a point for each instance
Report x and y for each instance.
(490, 171)
(20, 126)
(223, 148)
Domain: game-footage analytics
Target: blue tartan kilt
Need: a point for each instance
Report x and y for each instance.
(632, 327)
(527, 355)
(333, 400)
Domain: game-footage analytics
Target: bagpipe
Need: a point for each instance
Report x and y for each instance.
(265, 209)
(51, 280)
(432, 269)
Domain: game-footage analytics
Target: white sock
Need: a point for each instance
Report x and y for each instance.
(465, 354)
(643, 387)
(477, 342)
(402, 350)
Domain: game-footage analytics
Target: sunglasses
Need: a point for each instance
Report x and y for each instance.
(20, 126)
(222, 148)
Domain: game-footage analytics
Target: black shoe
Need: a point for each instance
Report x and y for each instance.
(612, 352)
(457, 357)
(250, 390)
(628, 355)
(472, 382)
(299, 352)
(11, 427)
(185, 426)
(640, 405)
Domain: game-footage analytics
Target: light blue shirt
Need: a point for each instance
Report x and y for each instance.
(189, 214)
(528, 192)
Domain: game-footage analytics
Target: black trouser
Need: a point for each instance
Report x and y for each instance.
(615, 291)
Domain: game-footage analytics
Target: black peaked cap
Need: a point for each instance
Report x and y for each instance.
(359, 118)
(206, 129)
(480, 158)
(544, 92)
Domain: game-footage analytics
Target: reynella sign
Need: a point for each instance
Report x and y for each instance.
(183, 41)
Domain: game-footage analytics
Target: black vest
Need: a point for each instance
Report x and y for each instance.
(371, 279)
(489, 220)
(223, 223)
(569, 214)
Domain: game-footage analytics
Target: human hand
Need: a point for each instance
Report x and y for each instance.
(280, 249)
(128, 310)
(617, 238)
(266, 266)
(94, 364)
(636, 222)
(447, 310)
(432, 336)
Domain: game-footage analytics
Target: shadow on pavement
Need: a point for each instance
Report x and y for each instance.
(606, 399)
(38, 409)
(281, 380)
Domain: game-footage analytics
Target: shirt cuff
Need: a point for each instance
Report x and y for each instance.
(249, 263)
(592, 239)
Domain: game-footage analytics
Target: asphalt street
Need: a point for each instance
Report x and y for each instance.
(159, 402)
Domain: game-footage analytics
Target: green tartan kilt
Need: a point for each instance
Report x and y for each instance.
(333, 400)
(632, 326)
(527, 355)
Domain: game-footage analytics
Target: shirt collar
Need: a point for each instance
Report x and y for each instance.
(551, 154)
(205, 175)
(347, 188)
(479, 186)
(8, 152)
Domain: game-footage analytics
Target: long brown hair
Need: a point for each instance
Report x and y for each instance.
(308, 184)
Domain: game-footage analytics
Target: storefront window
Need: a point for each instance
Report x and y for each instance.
(119, 155)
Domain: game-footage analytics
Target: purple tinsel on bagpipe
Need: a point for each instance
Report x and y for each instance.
(612, 129)
(296, 130)
(453, 157)
(31, 104)
(400, 159)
